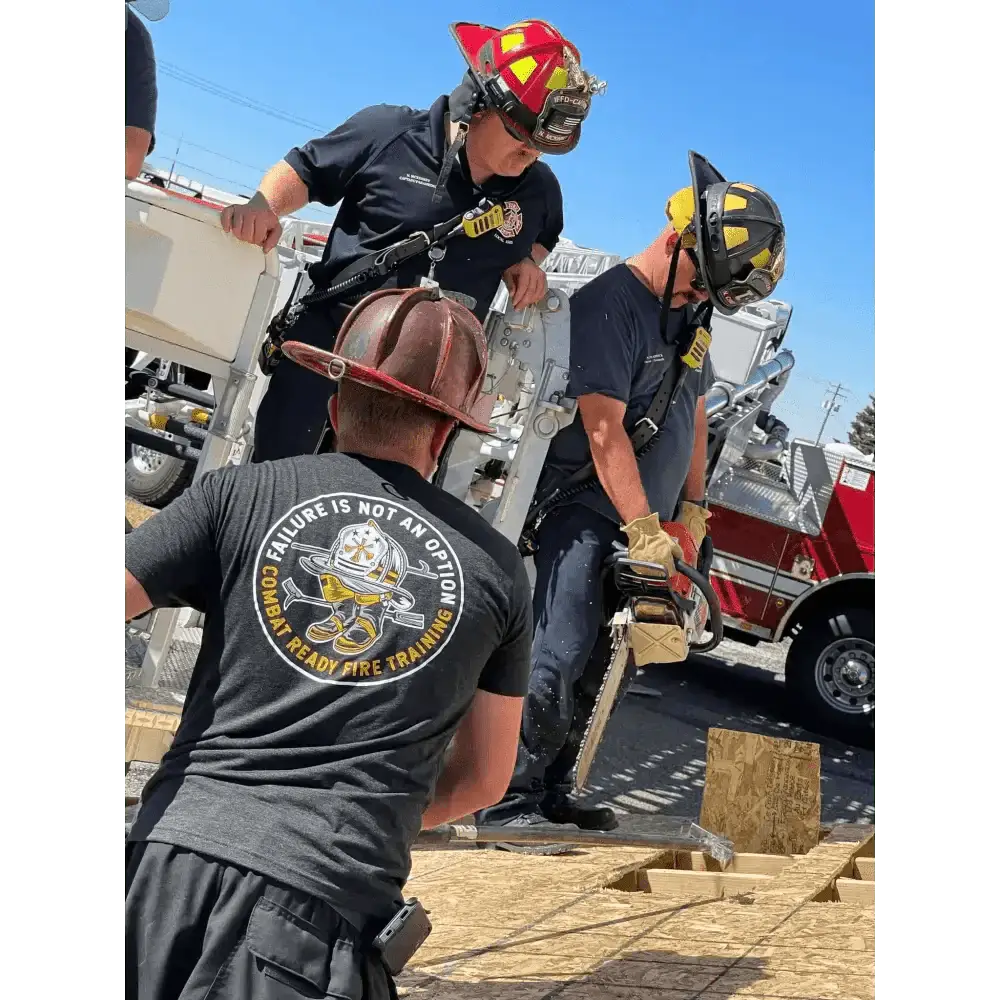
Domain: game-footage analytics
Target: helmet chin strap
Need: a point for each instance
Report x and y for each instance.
(702, 315)
(466, 99)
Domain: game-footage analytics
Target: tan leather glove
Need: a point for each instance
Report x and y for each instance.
(648, 542)
(695, 519)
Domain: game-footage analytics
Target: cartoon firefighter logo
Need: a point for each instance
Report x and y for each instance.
(512, 220)
(351, 589)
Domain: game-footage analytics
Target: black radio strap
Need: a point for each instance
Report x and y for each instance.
(646, 427)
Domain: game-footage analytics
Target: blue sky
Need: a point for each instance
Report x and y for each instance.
(780, 95)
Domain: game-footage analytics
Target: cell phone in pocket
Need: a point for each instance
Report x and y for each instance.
(399, 940)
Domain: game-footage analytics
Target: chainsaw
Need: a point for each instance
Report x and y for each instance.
(656, 620)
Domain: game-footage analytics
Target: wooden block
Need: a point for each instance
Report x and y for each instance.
(663, 881)
(148, 735)
(853, 890)
(762, 793)
(865, 867)
(742, 864)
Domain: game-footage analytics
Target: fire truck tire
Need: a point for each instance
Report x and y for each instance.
(830, 672)
(154, 479)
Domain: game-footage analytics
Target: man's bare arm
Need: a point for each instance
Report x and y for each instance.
(283, 189)
(136, 600)
(538, 253)
(694, 485)
(137, 142)
(478, 770)
(614, 459)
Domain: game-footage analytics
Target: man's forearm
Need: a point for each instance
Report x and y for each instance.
(455, 796)
(618, 471)
(283, 189)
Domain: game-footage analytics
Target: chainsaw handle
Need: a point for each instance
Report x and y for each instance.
(697, 579)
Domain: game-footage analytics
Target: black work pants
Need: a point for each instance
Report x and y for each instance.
(569, 645)
(199, 929)
(292, 418)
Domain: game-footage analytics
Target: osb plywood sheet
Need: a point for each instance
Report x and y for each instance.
(810, 875)
(519, 935)
(806, 959)
(756, 981)
(137, 512)
(762, 793)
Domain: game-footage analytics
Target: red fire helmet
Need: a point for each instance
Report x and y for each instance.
(531, 75)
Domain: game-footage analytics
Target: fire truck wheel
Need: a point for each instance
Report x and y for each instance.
(154, 479)
(830, 672)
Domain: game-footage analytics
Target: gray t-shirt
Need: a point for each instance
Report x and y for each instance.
(616, 349)
(352, 610)
(140, 78)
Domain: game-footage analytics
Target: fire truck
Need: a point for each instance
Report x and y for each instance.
(792, 525)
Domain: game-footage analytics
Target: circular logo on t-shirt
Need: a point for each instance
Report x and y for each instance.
(353, 589)
(512, 220)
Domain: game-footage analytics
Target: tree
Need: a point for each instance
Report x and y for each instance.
(862, 433)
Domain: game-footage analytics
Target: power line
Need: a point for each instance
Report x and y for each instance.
(234, 96)
(214, 152)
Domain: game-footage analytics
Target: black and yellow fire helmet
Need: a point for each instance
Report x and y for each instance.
(734, 231)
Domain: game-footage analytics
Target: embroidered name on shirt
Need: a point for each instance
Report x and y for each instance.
(416, 179)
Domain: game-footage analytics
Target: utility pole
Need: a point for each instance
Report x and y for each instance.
(177, 153)
(831, 405)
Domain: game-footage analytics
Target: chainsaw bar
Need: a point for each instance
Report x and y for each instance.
(605, 700)
(661, 832)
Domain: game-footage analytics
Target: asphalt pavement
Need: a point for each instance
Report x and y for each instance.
(652, 758)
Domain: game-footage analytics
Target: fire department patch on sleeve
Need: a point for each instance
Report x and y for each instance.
(350, 589)
(512, 220)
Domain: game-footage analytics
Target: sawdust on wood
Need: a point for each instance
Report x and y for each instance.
(762, 793)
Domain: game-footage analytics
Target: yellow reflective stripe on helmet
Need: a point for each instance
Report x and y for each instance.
(744, 187)
(523, 68)
(761, 259)
(558, 79)
(680, 208)
(734, 201)
(511, 41)
(735, 236)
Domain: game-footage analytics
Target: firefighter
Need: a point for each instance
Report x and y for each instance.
(631, 327)
(273, 840)
(396, 171)
(140, 83)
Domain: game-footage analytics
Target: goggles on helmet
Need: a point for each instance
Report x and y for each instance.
(555, 129)
(758, 284)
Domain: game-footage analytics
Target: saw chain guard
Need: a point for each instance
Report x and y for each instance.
(630, 584)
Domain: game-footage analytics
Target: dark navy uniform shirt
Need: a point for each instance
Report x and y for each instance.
(382, 165)
(616, 350)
